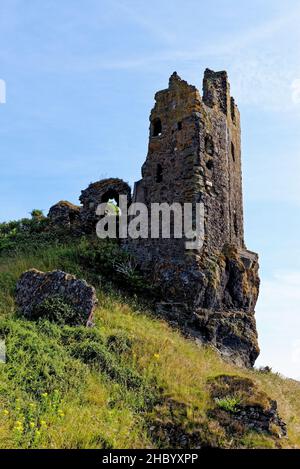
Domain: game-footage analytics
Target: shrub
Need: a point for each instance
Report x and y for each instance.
(27, 235)
(119, 343)
(56, 309)
(105, 257)
(97, 355)
(37, 214)
(36, 363)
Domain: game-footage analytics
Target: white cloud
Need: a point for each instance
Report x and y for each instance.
(295, 86)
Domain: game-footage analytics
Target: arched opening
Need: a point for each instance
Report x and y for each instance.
(111, 197)
(159, 173)
(179, 125)
(209, 145)
(156, 127)
(232, 151)
(111, 194)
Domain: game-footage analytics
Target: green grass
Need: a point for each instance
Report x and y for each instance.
(130, 382)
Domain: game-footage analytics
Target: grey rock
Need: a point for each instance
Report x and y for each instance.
(34, 287)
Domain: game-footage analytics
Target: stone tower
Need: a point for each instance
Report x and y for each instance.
(194, 155)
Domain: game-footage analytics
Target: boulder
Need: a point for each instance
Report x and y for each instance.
(64, 214)
(57, 296)
(239, 405)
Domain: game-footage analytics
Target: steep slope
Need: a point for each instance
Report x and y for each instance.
(132, 380)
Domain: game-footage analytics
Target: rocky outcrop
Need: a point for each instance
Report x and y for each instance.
(239, 406)
(213, 296)
(51, 293)
(64, 214)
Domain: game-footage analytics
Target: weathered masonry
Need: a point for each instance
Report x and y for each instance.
(194, 155)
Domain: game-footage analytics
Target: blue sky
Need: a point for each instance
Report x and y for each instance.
(80, 80)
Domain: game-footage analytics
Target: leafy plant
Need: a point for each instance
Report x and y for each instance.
(57, 309)
(228, 403)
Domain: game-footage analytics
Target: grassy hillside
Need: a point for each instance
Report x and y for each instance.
(131, 381)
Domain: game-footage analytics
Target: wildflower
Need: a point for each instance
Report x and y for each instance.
(60, 413)
(37, 433)
(5, 412)
(156, 356)
(44, 394)
(18, 426)
(43, 423)
(31, 404)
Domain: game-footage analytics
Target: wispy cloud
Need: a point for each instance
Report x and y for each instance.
(262, 59)
(149, 24)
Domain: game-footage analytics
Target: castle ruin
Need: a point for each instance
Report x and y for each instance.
(194, 155)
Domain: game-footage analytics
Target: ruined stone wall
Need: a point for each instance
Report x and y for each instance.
(193, 156)
(97, 193)
(216, 95)
(172, 154)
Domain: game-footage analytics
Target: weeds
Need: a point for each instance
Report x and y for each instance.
(228, 403)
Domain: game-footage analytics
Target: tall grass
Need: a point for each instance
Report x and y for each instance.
(117, 383)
